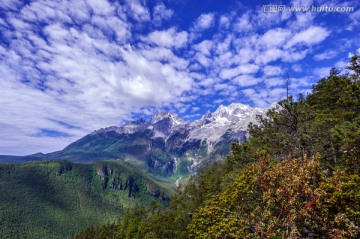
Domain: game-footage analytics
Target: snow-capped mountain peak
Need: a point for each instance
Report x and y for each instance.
(175, 119)
(166, 142)
(222, 112)
(207, 115)
(211, 128)
(229, 120)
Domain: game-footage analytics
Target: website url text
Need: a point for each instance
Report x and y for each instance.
(323, 8)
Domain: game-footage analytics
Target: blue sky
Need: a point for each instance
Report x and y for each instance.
(72, 66)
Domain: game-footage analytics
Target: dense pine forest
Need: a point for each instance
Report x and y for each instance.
(58, 199)
(298, 176)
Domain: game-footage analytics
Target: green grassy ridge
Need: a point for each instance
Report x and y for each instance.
(58, 199)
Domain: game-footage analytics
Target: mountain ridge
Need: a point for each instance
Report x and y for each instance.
(164, 145)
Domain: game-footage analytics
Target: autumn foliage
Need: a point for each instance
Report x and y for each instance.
(292, 199)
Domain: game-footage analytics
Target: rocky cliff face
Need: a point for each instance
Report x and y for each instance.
(113, 178)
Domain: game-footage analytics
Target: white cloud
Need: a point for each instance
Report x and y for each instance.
(46, 12)
(246, 80)
(243, 24)
(264, 20)
(272, 70)
(203, 52)
(325, 55)
(298, 84)
(164, 55)
(56, 32)
(275, 38)
(341, 64)
(302, 20)
(321, 72)
(138, 11)
(161, 13)
(204, 47)
(194, 109)
(269, 56)
(264, 97)
(77, 9)
(310, 36)
(297, 3)
(224, 22)
(296, 67)
(218, 101)
(291, 55)
(193, 116)
(274, 81)
(168, 38)
(223, 86)
(224, 45)
(354, 18)
(208, 82)
(80, 79)
(249, 92)
(226, 59)
(109, 26)
(241, 69)
(9, 4)
(100, 7)
(205, 21)
(246, 55)
(97, 62)
(202, 59)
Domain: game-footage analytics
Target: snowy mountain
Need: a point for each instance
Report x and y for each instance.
(209, 129)
(165, 145)
(168, 145)
(232, 119)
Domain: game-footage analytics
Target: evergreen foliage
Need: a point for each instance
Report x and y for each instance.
(298, 176)
(58, 199)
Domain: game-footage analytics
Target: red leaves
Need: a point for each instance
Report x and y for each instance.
(337, 232)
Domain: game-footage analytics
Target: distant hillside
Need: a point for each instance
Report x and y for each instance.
(52, 199)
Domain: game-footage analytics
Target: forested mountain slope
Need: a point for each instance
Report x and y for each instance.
(298, 176)
(57, 199)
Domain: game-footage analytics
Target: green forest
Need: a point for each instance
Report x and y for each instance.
(58, 199)
(298, 176)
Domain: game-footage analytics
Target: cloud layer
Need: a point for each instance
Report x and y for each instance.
(70, 67)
